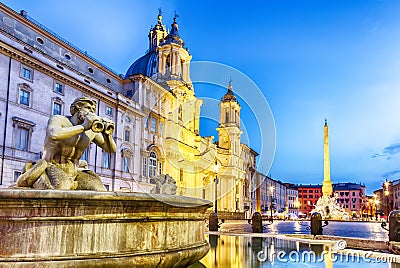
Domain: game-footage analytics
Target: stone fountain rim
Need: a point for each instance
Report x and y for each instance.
(173, 200)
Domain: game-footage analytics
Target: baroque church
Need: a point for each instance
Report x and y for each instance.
(154, 107)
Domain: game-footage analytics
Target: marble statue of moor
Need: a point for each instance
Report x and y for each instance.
(66, 139)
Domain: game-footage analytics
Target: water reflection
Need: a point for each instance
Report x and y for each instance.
(247, 251)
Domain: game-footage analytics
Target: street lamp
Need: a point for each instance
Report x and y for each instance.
(216, 186)
(271, 189)
(387, 192)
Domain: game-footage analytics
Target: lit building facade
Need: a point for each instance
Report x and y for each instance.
(154, 107)
(292, 199)
(308, 197)
(351, 197)
(271, 193)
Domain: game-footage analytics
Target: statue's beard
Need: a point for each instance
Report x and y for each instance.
(81, 116)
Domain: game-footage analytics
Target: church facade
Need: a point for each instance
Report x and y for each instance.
(154, 107)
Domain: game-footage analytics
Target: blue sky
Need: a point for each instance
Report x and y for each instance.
(312, 59)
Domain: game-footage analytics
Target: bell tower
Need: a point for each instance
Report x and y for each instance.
(229, 122)
(174, 59)
(157, 33)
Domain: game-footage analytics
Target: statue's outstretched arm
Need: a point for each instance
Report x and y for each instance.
(56, 131)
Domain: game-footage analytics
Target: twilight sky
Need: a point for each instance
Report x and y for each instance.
(311, 59)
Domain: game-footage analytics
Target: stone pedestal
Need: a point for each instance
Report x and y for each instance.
(108, 229)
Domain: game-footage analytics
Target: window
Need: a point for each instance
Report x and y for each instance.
(153, 124)
(26, 73)
(22, 133)
(161, 128)
(58, 87)
(152, 164)
(127, 135)
(107, 187)
(126, 164)
(144, 171)
(353, 193)
(24, 96)
(181, 175)
(159, 168)
(106, 160)
(108, 110)
(85, 155)
(56, 108)
(145, 123)
(310, 191)
(316, 191)
(180, 113)
(16, 175)
(226, 116)
(39, 40)
(22, 139)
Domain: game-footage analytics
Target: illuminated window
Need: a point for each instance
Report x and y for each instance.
(152, 164)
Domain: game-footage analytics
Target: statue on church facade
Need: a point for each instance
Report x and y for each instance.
(67, 137)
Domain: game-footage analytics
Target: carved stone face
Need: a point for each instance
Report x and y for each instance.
(84, 110)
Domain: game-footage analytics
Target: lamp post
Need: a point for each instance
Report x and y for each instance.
(271, 189)
(387, 192)
(216, 186)
(370, 208)
(376, 201)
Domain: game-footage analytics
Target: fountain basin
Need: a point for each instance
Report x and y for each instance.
(81, 228)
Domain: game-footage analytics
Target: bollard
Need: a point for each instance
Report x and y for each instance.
(394, 226)
(316, 223)
(256, 223)
(213, 222)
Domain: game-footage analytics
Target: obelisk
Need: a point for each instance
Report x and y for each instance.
(327, 183)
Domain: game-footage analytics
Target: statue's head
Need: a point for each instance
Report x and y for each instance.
(79, 102)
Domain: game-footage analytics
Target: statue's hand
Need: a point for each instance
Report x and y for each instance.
(109, 126)
(93, 122)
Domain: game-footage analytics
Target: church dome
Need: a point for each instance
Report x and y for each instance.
(146, 65)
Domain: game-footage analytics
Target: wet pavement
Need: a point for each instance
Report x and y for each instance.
(357, 229)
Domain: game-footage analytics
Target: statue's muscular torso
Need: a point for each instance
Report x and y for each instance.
(68, 150)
